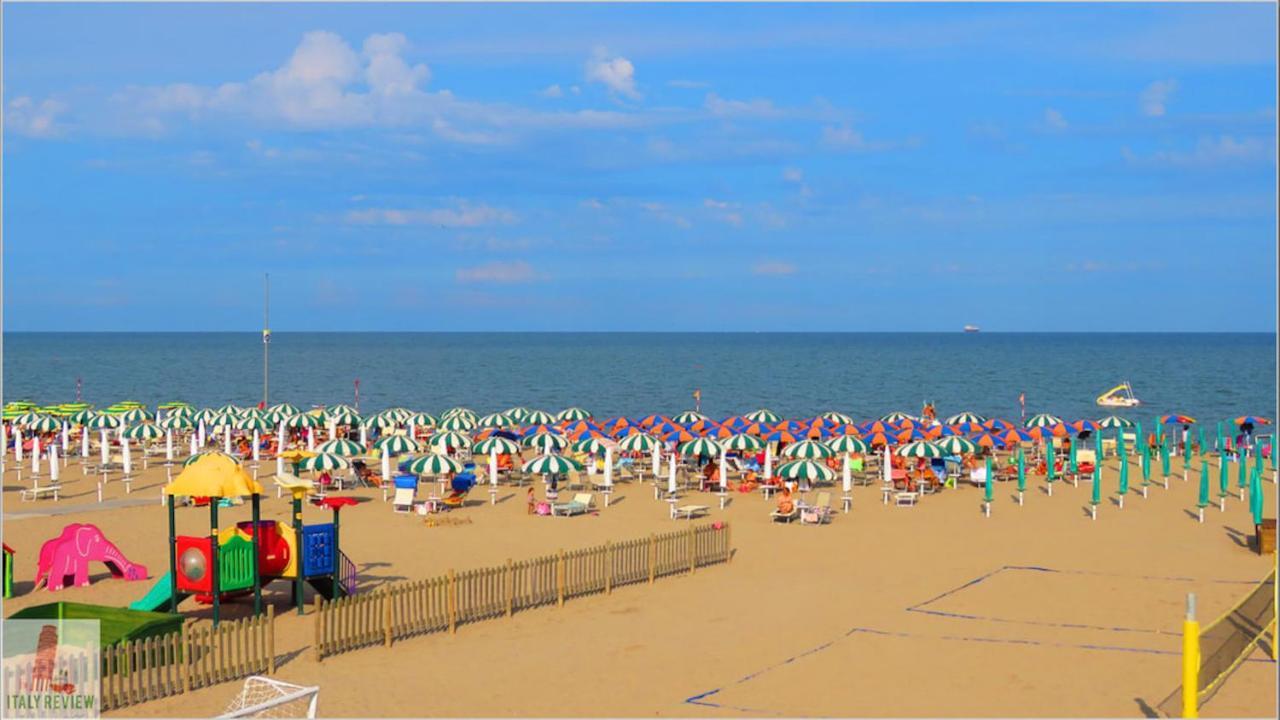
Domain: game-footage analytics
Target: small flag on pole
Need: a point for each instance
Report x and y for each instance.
(1022, 401)
(697, 400)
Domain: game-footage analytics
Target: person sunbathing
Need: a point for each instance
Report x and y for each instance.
(786, 505)
(749, 482)
(710, 475)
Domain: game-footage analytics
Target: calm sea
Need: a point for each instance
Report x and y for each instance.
(1210, 376)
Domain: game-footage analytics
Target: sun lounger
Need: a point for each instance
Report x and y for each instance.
(905, 499)
(688, 512)
(779, 516)
(35, 493)
(403, 501)
(818, 513)
(580, 504)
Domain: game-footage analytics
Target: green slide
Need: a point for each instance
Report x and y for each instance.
(157, 598)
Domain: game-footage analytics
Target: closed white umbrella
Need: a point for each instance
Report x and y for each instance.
(311, 438)
(195, 448)
(84, 442)
(671, 479)
(279, 464)
(768, 461)
(17, 445)
(846, 478)
(608, 466)
(53, 463)
(35, 454)
(106, 445)
(226, 439)
(66, 436)
(128, 462)
(200, 433)
(888, 466)
(168, 444)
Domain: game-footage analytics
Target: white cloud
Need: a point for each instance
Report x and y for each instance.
(726, 212)
(1155, 97)
(25, 116)
(446, 131)
(387, 73)
(1209, 151)
(660, 211)
(687, 84)
(793, 174)
(757, 107)
(592, 204)
(846, 137)
(615, 73)
(1054, 119)
(774, 267)
(518, 271)
(463, 214)
(552, 91)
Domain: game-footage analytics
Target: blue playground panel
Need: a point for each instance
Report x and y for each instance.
(317, 550)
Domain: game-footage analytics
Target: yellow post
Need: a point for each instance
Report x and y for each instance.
(1190, 660)
(1275, 608)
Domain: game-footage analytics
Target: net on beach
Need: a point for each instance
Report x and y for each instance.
(263, 697)
(1227, 641)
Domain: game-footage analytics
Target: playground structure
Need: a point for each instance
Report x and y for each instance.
(68, 556)
(115, 625)
(8, 571)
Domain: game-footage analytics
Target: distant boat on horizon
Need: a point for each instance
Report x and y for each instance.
(972, 328)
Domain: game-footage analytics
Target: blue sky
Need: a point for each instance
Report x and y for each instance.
(661, 167)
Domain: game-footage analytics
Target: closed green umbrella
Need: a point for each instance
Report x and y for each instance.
(1164, 462)
(1051, 470)
(1204, 490)
(1022, 474)
(1255, 496)
(1242, 473)
(1146, 470)
(1124, 479)
(988, 490)
(1074, 466)
(1095, 497)
(1257, 456)
(1224, 485)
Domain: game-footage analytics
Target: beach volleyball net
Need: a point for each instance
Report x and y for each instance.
(263, 697)
(1210, 655)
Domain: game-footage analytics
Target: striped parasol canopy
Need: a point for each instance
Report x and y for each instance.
(677, 434)
(275, 417)
(302, 420)
(965, 417)
(341, 446)
(879, 426)
(921, 449)
(997, 424)
(227, 409)
(688, 417)
(495, 420)
(703, 447)
(550, 465)
(284, 408)
(591, 445)
(742, 441)
(202, 455)
(652, 420)
(504, 446)
(1251, 420)
(146, 431)
(1177, 420)
(459, 412)
(956, 445)
(422, 419)
(763, 415)
(516, 413)
(1082, 426)
(435, 464)
(83, 417)
(805, 470)
(573, 413)
(538, 417)
(384, 420)
(324, 461)
(177, 422)
(1042, 420)
(27, 418)
(399, 414)
(1111, 422)
(896, 418)
(988, 440)
(848, 444)
(253, 422)
(910, 434)
(638, 442)
(458, 423)
(838, 418)
(136, 415)
(546, 442)
(879, 439)
(1048, 431)
(1013, 436)
(340, 415)
(450, 438)
(44, 424)
(104, 422)
(807, 449)
(398, 445)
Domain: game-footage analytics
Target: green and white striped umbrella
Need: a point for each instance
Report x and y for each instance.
(458, 423)
(253, 422)
(591, 445)
(459, 412)
(302, 420)
(383, 420)
(504, 446)
(181, 411)
(956, 445)
(342, 447)
(177, 422)
(807, 449)
(275, 417)
(221, 419)
(495, 420)
(895, 417)
(545, 441)
(848, 444)
(435, 464)
(136, 415)
(83, 417)
(398, 413)
(837, 417)
(450, 438)
(204, 416)
(538, 417)
(688, 417)
(921, 448)
(27, 418)
(324, 461)
(704, 447)
(104, 422)
(44, 424)
(517, 413)
(398, 445)
(422, 420)
(742, 441)
(965, 417)
(146, 431)
(804, 470)
(573, 413)
(550, 465)
(763, 415)
(1043, 420)
(285, 409)
(639, 442)
(342, 415)
(200, 456)
(1114, 421)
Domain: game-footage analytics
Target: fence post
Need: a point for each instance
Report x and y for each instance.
(453, 601)
(185, 645)
(608, 561)
(319, 627)
(560, 578)
(653, 555)
(511, 587)
(386, 615)
(271, 639)
(693, 551)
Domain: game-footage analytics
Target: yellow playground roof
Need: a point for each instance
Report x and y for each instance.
(215, 475)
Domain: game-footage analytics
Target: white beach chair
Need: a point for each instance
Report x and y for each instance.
(403, 500)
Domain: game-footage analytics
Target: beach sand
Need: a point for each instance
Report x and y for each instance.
(872, 615)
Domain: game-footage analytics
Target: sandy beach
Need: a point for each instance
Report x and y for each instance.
(875, 614)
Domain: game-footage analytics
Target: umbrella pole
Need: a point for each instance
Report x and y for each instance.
(297, 533)
(173, 558)
(213, 554)
(337, 553)
(257, 579)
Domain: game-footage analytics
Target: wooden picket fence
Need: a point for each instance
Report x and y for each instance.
(401, 610)
(199, 656)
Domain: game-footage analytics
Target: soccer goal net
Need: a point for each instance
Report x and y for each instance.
(263, 697)
(1210, 655)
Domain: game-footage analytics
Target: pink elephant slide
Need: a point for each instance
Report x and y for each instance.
(69, 555)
